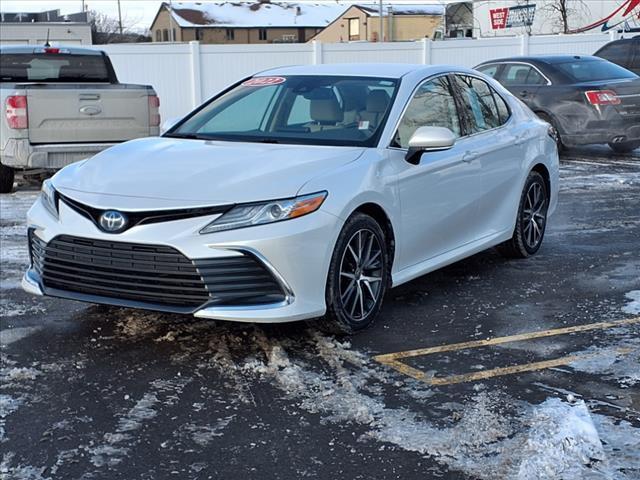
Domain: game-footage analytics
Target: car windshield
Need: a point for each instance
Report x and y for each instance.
(311, 110)
(53, 67)
(594, 70)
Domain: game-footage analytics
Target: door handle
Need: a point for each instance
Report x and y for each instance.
(89, 96)
(524, 93)
(469, 156)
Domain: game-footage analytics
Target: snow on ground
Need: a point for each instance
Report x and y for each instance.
(490, 435)
(633, 307)
(580, 178)
(14, 254)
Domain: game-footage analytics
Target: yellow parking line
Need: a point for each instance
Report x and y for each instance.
(393, 359)
(499, 340)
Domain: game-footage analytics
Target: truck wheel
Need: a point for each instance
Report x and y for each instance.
(624, 147)
(6, 179)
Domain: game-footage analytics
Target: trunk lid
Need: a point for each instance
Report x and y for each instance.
(85, 113)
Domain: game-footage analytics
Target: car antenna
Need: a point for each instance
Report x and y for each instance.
(46, 43)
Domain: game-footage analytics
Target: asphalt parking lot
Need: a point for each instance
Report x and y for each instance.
(490, 368)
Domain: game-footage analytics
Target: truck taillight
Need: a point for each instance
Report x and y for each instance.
(16, 111)
(602, 97)
(154, 111)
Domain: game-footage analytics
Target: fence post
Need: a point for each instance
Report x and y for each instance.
(426, 51)
(613, 35)
(524, 44)
(317, 52)
(196, 76)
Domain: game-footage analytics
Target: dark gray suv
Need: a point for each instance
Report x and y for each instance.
(624, 52)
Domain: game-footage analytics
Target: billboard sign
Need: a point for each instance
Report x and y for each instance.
(510, 17)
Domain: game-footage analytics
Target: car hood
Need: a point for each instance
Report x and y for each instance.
(176, 173)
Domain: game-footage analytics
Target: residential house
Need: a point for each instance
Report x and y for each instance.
(242, 22)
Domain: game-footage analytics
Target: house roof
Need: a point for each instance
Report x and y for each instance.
(402, 9)
(279, 14)
(255, 14)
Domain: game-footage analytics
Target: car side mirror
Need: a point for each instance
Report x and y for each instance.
(168, 124)
(428, 139)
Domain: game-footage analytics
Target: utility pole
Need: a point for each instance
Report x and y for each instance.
(381, 23)
(83, 6)
(119, 18)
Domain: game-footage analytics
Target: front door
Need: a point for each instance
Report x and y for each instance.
(439, 196)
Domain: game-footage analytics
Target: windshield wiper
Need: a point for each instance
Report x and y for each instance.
(191, 136)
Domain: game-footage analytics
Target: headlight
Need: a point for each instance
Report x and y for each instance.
(49, 198)
(266, 212)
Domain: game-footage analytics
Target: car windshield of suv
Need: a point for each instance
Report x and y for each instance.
(53, 67)
(594, 70)
(311, 110)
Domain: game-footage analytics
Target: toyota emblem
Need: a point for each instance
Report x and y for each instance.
(112, 221)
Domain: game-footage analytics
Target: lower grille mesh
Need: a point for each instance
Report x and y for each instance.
(152, 274)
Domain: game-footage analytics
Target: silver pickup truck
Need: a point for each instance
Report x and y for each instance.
(63, 104)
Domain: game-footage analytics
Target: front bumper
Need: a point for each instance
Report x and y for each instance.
(296, 252)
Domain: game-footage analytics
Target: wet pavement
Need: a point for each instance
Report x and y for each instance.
(92, 392)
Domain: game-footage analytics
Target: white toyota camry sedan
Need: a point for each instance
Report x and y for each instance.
(298, 193)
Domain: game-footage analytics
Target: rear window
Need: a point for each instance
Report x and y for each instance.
(594, 70)
(53, 67)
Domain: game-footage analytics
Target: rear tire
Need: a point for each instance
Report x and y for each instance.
(624, 147)
(7, 176)
(532, 219)
(559, 144)
(358, 276)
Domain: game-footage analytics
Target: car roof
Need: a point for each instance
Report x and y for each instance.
(543, 59)
(382, 70)
(36, 48)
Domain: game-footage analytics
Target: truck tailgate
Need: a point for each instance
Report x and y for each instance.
(82, 113)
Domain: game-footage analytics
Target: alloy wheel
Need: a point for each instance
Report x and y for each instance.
(361, 273)
(534, 215)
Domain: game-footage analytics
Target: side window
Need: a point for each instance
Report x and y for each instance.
(616, 52)
(432, 105)
(535, 78)
(515, 74)
(234, 118)
(479, 103)
(490, 70)
(503, 109)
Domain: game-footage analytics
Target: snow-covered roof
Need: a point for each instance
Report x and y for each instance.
(281, 14)
(402, 9)
(256, 14)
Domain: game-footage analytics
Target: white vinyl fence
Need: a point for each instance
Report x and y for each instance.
(185, 74)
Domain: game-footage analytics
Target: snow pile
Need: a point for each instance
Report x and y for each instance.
(633, 307)
(14, 254)
(562, 442)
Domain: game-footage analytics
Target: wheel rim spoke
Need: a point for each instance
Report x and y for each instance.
(361, 274)
(534, 215)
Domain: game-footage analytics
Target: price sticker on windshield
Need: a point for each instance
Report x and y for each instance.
(263, 81)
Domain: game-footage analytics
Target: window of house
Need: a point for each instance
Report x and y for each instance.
(354, 29)
(262, 34)
(433, 105)
(165, 35)
(173, 33)
(198, 34)
(230, 34)
(158, 35)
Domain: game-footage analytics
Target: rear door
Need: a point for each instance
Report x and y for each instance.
(85, 113)
(496, 147)
(525, 81)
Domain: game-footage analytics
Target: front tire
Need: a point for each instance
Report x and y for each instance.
(624, 147)
(358, 276)
(532, 219)
(6, 179)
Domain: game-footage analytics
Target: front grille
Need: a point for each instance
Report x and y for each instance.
(156, 275)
